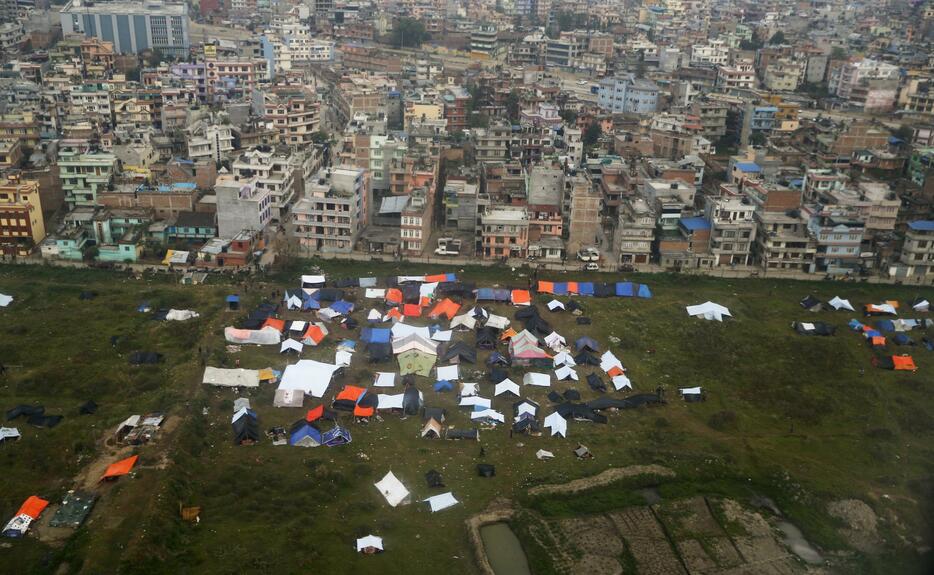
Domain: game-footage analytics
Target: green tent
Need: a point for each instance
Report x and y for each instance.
(416, 361)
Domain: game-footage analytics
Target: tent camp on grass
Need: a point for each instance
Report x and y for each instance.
(709, 311)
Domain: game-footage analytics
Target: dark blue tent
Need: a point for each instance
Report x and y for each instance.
(560, 288)
(585, 342)
(342, 307)
(644, 291)
(444, 385)
(624, 289)
(337, 436)
(375, 335)
(233, 301)
(305, 431)
(885, 325)
(902, 339)
(309, 301)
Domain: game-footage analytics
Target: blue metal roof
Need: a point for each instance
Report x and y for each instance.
(922, 225)
(748, 166)
(696, 223)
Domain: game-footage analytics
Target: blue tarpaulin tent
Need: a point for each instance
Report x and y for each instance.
(493, 294)
(585, 342)
(644, 291)
(855, 325)
(885, 325)
(308, 433)
(342, 307)
(585, 288)
(375, 335)
(624, 289)
(560, 288)
(309, 301)
(443, 385)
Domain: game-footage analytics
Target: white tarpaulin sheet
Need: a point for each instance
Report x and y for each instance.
(555, 304)
(566, 372)
(464, 320)
(265, 336)
(401, 330)
(180, 314)
(839, 303)
(621, 381)
(368, 542)
(291, 344)
(392, 489)
(555, 341)
(288, 398)
(558, 425)
(490, 414)
(468, 389)
(374, 315)
(690, 390)
(923, 305)
(475, 401)
(526, 407)
(497, 322)
(375, 293)
(385, 401)
(537, 379)
(542, 454)
(709, 311)
(308, 375)
(564, 358)
(441, 502)
(298, 326)
(427, 290)
(342, 357)
(230, 377)
(9, 433)
(506, 386)
(442, 335)
(448, 372)
(5, 300)
(608, 361)
(385, 379)
(312, 280)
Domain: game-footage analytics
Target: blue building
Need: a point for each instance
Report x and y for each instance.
(628, 95)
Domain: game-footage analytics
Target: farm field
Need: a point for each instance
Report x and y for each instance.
(803, 423)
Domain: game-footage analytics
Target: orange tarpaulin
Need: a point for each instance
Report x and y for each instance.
(350, 393)
(121, 467)
(394, 313)
(315, 414)
(521, 297)
(394, 295)
(507, 334)
(446, 307)
(411, 310)
(425, 301)
(903, 363)
(314, 333)
(33, 507)
(616, 370)
(364, 411)
(436, 278)
(877, 341)
(276, 323)
(546, 287)
(572, 288)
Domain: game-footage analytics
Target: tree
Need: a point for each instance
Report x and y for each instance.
(838, 53)
(408, 33)
(592, 134)
(512, 106)
(320, 137)
(569, 116)
(758, 139)
(566, 21)
(904, 133)
(777, 38)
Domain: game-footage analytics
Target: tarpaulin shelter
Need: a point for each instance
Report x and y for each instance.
(486, 338)
(896, 362)
(441, 502)
(811, 303)
(312, 377)
(555, 305)
(521, 297)
(288, 398)
(536, 379)
(463, 322)
(411, 310)
(644, 292)
(416, 361)
(89, 407)
(557, 423)
(314, 334)
(336, 437)
(526, 312)
(493, 294)
(902, 339)
(496, 358)
(886, 308)
(26, 410)
(291, 345)
(411, 401)
(446, 307)
(375, 335)
(392, 490)
(434, 479)
(838, 303)
(415, 341)
(585, 289)
(709, 311)
(394, 296)
(267, 336)
(273, 323)
(920, 304)
(313, 281)
(813, 328)
(28, 512)
(538, 325)
(432, 430)
(586, 343)
(625, 289)
(146, 357)
(119, 468)
(443, 385)
(369, 544)
(245, 430)
(304, 434)
(595, 383)
(384, 379)
(235, 377)
(497, 322)
(506, 386)
(379, 352)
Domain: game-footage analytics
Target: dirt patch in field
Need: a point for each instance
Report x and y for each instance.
(604, 478)
(861, 522)
(647, 542)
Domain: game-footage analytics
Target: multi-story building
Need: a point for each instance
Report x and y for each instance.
(584, 214)
(671, 200)
(628, 95)
(22, 225)
(917, 256)
(714, 53)
(483, 41)
(241, 206)
(635, 232)
(461, 205)
(732, 229)
(295, 112)
(91, 100)
(845, 79)
(492, 144)
(84, 173)
(545, 200)
(278, 171)
(131, 26)
(783, 241)
(415, 223)
(210, 138)
(455, 107)
(230, 79)
(838, 233)
(818, 182)
(333, 212)
(504, 232)
(740, 76)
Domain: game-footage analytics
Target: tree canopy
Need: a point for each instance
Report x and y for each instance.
(408, 33)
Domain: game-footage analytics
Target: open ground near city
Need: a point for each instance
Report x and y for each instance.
(795, 430)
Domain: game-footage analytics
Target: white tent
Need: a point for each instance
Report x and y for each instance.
(374, 315)
(8, 433)
(313, 280)
(566, 372)
(564, 358)
(342, 358)
(475, 401)
(414, 341)
(230, 377)
(621, 381)
(385, 401)
(328, 314)
(5, 300)
(468, 389)
(393, 490)
(312, 377)
(506, 386)
(558, 425)
(526, 407)
(369, 542)
(442, 335)
(608, 361)
(537, 379)
(555, 341)
(265, 336)
(385, 379)
(463, 321)
(180, 315)
(448, 372)
(478, 310)
(288, 398)
(497, 322)
(542, 454)
(298, 326)
(709, 311)
(401, 330)
(238, 414)
(294, 302)
(555, 304)
(409, 279)
(690, 390)
(427, 290)
(441, 502)
(291, 345)
(923, 305)
(375, 293)
(839, 303)
(490, 414)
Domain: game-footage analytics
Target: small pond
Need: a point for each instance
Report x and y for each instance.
(503, 550)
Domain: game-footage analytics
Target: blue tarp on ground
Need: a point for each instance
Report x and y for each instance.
(443, 385)
(560, 288)
(885, 325)
(586, 342)
(585, 288)
(342, 307)
(644, 291)
(902, 339)
(233, 299)
(493, 294)
(624, 289)
(375, 335)
(873, 333)
(855, 325)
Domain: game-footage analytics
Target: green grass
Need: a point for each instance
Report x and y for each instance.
(806, 427)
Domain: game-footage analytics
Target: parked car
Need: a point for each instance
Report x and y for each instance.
(445, 252)
(592, 267)
(588, 255)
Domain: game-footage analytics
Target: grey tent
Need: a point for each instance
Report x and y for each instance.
(436, 413)
(486, 338)
(411, 401)
(595, 383)
(585, 343)
(486, 470)
(145, 357)
(42, 420)
(462, 434)
(526, 312)
(245, 430)
(580, 412)
(586, 358)
(571, 394)
(527, 424)
(458, 352)
(811, 303)
(22, 409)
(379, 352)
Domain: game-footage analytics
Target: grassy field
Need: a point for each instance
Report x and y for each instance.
(804, 421)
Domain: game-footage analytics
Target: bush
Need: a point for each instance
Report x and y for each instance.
(722, 421)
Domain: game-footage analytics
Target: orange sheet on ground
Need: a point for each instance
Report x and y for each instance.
(904, 363)
(121, 467)
(33, 507)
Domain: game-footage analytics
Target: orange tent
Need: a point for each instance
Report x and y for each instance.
(279, 324)
(546, 287)
(424, 301)
(364, 411)
(436, 278)
(119, 468)
(394, 295)
(315, 414)
(521, 297)
(314, 333)
(572, 288)
(446, 307)
(507, 334)
(350, 393)
(877, 341)
(616, 370)
(411, 310)
(33, 507)
(903, 363)
(394, 313)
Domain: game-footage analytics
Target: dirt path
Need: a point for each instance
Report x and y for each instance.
(603, 478)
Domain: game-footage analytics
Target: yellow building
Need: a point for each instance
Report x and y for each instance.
(22, 225)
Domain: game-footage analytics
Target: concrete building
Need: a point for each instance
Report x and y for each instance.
(584, 218)
(838, 233)
(22, 225)
(628, 95)
(210, 139)
(415, 223)
(671, 200)
(295, 112)
(483, 41)
(545, 199)
(917, 256)
(84, 174)
(131, 26)
(277, 170)
(783, 241)
(333, 212)
(504, 233)
(241, 206)
(733, 230)
(740, 76)
(460, 200)
(635, 232)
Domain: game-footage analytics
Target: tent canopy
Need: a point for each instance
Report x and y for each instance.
(121, 467)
